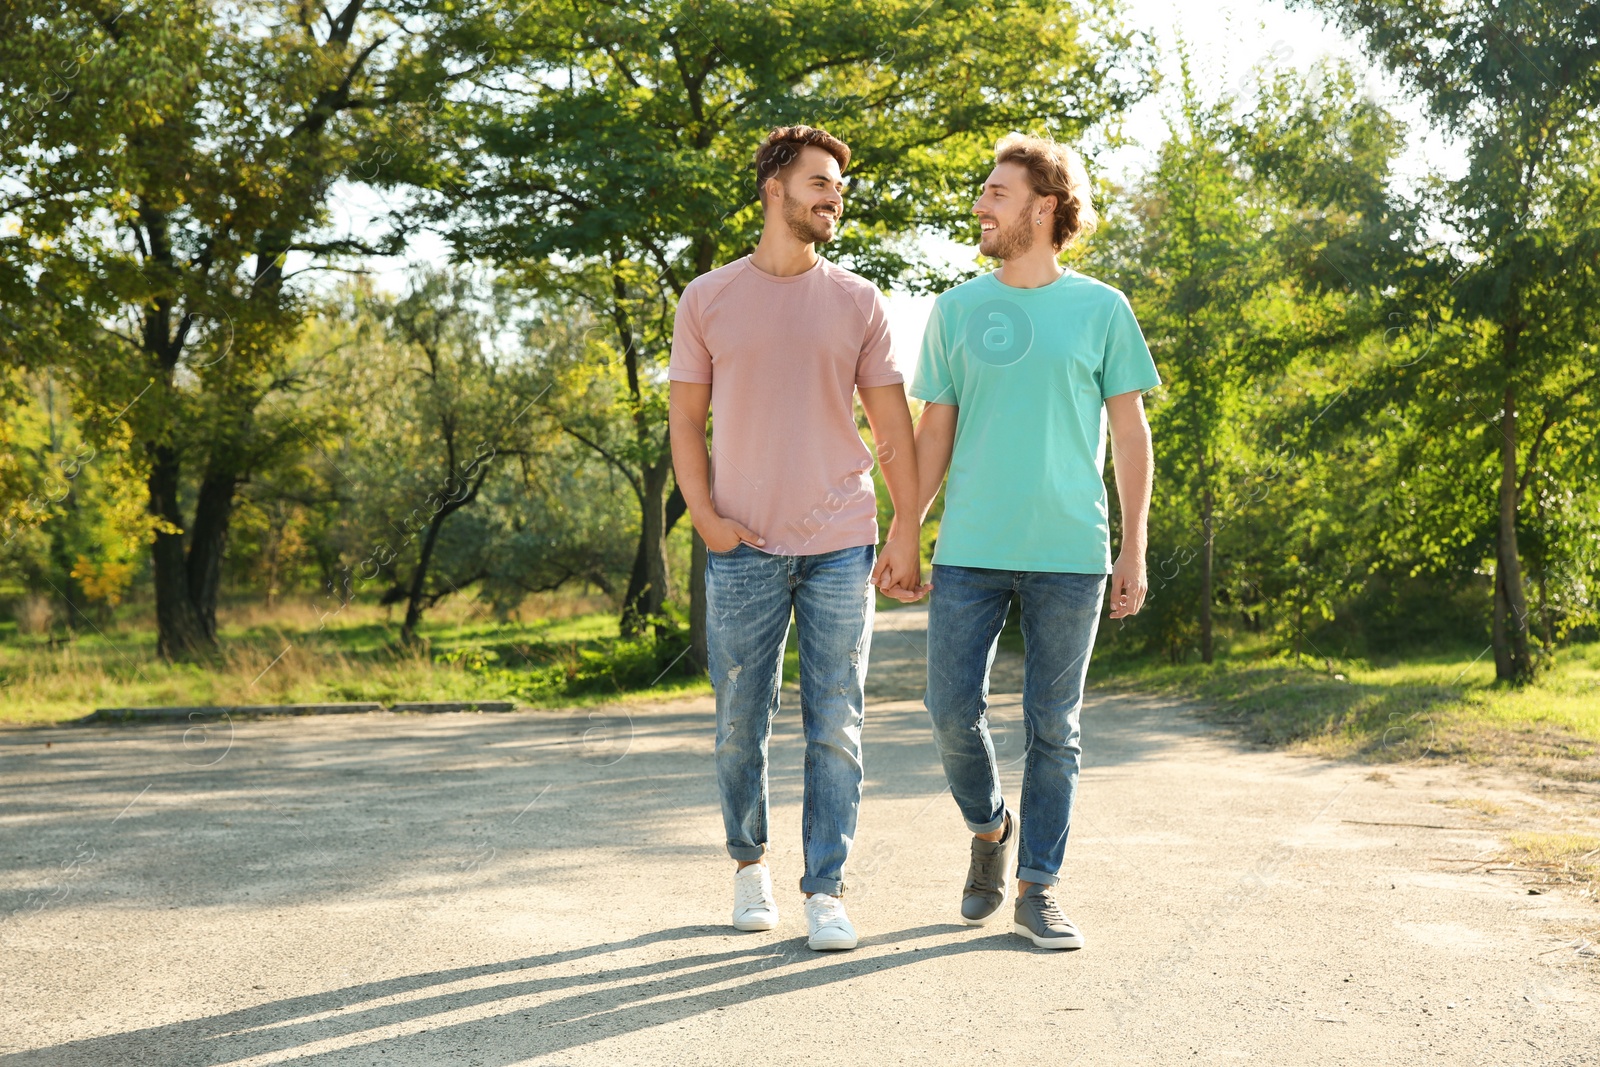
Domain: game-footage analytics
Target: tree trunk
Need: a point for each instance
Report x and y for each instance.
(1512, 661)
(1547, 631)
(188, 566)
(1207, 503)
(639, 577)
(208, 539)
(645, 603)
(419, 577)
(180, 633)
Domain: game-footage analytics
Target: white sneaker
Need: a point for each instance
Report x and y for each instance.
(754, 907)
(830, 926)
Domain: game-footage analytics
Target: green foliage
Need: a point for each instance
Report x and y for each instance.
(635, 136)
(444, 481)
(613, 164)
(1518, 86)
(1230, 249)
(1331, 423)
(179, 398)
(166, 169)
(606, 667)
(77, 527)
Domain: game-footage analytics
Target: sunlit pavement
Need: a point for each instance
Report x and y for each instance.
(543, 887)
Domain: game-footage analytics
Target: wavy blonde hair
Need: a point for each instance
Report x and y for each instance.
(1054, 170)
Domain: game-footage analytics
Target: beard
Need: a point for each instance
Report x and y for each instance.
(804, 225)
(1011, 241)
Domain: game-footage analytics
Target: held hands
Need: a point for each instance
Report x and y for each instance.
(898, 573)
(724, 535)
(1128, 586)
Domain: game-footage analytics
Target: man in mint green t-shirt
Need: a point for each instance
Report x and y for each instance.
(1022, 371)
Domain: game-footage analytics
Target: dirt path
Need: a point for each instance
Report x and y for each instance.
(551, 888)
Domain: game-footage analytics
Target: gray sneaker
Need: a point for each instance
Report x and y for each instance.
(986, 877)
(1041, 920)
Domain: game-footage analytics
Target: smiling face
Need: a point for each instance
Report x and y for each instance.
(1007, 212)
(810, 194)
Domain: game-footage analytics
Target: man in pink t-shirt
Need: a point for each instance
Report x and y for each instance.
(778, 345)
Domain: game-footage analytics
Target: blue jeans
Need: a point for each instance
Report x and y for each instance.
(749, 598)
(1060, 613)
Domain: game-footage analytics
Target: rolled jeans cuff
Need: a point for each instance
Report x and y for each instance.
(834, 887)
(747, 853)
(987, 827)
(1038, 877)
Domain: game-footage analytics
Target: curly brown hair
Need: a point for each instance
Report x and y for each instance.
(782, 147)
(1054, 170)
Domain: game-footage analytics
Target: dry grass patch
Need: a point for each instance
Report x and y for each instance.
(1481, 805)
(1561, 858)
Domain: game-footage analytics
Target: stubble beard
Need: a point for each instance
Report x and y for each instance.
(805, 228)
(1009, 243)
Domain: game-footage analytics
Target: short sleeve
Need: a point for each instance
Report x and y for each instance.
(875, 365)
(691, 359)
(1126, 366)
(932, 380)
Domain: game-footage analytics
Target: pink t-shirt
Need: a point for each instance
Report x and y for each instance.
(784, 357)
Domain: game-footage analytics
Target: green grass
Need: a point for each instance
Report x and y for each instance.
(1440, 705)
(282, 657)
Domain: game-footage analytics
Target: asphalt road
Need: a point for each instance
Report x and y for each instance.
(551, 888)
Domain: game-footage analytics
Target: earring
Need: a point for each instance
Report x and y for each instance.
(1038, 222)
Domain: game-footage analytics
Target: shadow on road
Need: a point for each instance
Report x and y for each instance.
(630, 998)
(410, 828)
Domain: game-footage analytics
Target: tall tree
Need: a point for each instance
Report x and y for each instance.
(614, 160)
(1204, 252)
(1518, 85)
(1255, 240)
(457, 414)
(167, 168)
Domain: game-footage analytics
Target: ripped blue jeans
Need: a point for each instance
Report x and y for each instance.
(750, 596)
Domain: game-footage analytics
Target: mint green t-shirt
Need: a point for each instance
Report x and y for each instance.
(1029, 370)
